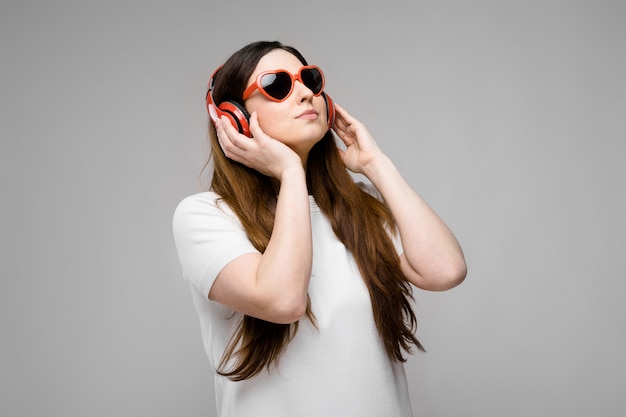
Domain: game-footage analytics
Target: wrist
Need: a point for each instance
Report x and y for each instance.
(377, 167)
(292, 172)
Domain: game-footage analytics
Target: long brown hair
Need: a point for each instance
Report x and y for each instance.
(360, 221)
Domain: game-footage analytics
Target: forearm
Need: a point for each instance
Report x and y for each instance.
(430, 247)
(284, 269)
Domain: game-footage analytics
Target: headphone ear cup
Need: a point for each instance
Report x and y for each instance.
(330, 110)
(238, 116)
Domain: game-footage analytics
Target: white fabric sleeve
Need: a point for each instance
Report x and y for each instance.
(394, 233)
(208, 235)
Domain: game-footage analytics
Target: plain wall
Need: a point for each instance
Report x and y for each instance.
(507, 117)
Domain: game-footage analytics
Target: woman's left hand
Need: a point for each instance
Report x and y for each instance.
(432, 259)
(361, 149)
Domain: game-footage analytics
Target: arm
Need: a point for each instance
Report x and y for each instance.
(432, 258)
(271, 286)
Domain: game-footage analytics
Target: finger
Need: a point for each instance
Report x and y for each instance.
(224, 139)
(218, 127)
(342, 114)
(348, 121)
(227, 127)
(339, 121)
(344, 129)
(255, 127)
(339, 118)
(223, 135)
(232, 135)
(338, 108)
(345, 138)
(231, 143)
(343, 124)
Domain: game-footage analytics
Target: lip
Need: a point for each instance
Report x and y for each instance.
(308, 114)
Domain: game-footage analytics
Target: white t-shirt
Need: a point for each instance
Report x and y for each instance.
(340, 369)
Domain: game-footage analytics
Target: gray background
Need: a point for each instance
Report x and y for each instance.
(508, 117)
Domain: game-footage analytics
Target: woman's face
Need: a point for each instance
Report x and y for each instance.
(300, 120)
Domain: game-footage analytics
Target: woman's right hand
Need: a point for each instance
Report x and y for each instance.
(260, 152)
(271, 286)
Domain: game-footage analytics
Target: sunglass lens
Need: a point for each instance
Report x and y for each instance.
(313, 79)
(277, 85)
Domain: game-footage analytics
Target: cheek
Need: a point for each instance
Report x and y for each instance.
(322, 109)
(271, 118)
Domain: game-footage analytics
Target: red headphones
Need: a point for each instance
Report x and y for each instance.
(238, 115)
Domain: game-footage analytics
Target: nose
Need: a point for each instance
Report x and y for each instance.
(303, 92)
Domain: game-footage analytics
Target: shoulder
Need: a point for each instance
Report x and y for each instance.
(207, 235)
(203, 199)
(201, 208)
(204, 202)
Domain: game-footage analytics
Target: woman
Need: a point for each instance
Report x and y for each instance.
(301, 277)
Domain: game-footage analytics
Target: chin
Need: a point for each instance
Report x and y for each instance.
(308, 134)
(318, 131)
(304, 143)
(315, 137)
